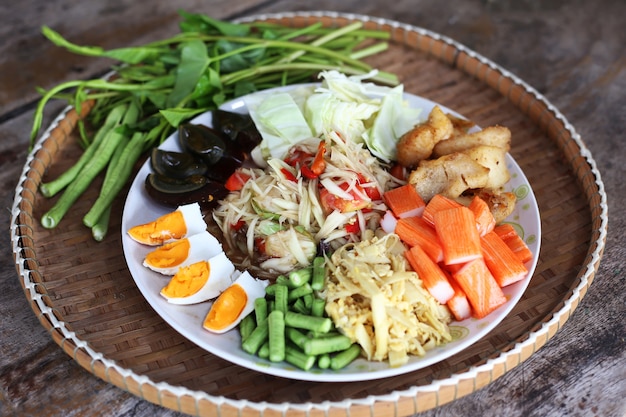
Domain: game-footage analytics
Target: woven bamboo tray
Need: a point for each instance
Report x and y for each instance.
(83, 294)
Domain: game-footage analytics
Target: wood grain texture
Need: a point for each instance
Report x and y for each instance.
(572, 52)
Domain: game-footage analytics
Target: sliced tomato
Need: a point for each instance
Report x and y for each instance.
(331, 202)
(353, 226)
(370, 189)
(236, 181)
(298, 157)
(397, 171)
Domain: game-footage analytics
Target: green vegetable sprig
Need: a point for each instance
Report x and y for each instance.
(165, 83)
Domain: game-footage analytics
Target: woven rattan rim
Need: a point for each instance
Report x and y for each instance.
(398, 402)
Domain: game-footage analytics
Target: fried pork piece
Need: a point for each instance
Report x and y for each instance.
(498, 136)
(450, 175)
(494, 158)
(418, 143)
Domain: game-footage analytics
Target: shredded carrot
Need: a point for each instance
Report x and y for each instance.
(438, 203)
(404, 201)
(434, 279)
(482, 291)
(514, 241)
(459, 305)
(456, 228)
(416, 231)
(503, 264)
(485, 222)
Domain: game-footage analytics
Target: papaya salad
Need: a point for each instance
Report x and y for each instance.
(364, 227)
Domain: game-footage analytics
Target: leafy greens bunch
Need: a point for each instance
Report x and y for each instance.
(155, 87)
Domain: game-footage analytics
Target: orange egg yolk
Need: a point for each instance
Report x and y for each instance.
(188, 280)
(169, 255)
(226, 308)
(169, 226)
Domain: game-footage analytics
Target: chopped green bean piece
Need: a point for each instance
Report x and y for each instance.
(246, 326)
(317, 307)
(260, 309)
(302, 321)
(296, 336)
(301, 291)
(281, 295)
(300, 307)
(300, 277)
(276, 323)
(319, 345)
(298, 358)
(344, 358)
(258, 336)
(264, 350)
(323, 361)
(319, 273)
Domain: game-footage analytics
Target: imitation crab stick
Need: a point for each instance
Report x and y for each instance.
(514, 241)
(456, 228)
(482, 291)
(404, 201)
(434, 279)
(459, 305)
(505, 267)
(485, 222)
(416, 231)
(438, 203)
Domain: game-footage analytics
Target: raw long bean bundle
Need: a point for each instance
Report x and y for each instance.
(157, 86)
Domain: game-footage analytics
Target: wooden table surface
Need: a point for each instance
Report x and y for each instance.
(572, 52)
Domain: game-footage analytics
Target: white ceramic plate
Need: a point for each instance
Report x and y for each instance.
(187, 320)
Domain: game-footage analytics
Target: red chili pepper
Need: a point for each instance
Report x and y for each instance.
(288, 175)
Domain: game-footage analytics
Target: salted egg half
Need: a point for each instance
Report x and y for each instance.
(235, 303)
(170, 257)
(200, 281)
(185, 221)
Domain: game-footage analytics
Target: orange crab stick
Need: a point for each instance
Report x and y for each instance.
(485, 222)
(505, 267)
(404, 201)
(438, 203)
(416, 231)
(434, 279)
(514, 241)
(459, 304)
(482, 291)
(456, 228)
